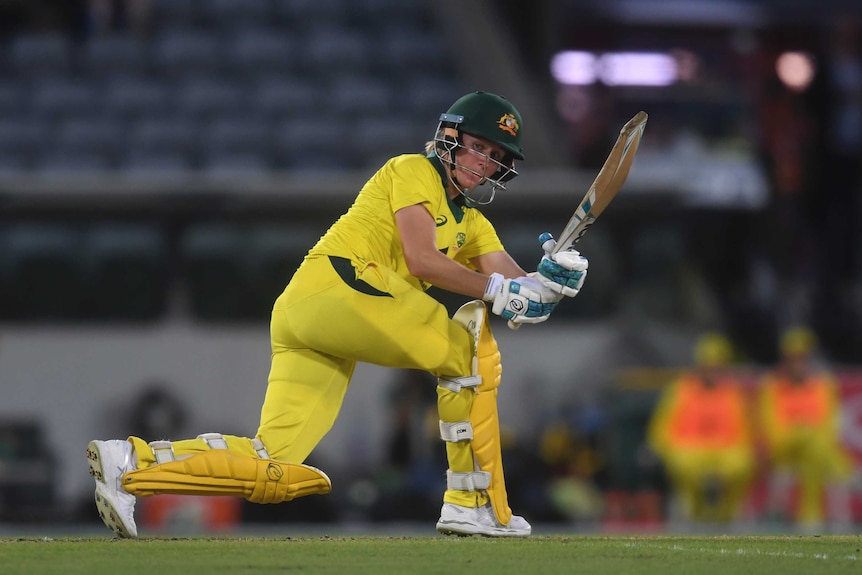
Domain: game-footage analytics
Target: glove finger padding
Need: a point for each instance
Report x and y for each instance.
(521, 300)
(563, 273)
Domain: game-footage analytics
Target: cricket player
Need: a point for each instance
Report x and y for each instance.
(800, 414)
(702, 433)
(359, 296)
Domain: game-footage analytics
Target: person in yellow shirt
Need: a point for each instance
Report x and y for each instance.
(359, 296)
(701, 432)
(800, 426)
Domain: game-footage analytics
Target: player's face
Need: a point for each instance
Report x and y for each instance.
(473, 162)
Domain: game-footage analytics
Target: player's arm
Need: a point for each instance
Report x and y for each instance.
(419, 243)
(520, 300)
(500, 262)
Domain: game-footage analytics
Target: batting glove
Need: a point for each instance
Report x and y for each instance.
(520, 300)
(564, 272)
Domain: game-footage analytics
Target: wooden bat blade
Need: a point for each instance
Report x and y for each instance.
(608, 182)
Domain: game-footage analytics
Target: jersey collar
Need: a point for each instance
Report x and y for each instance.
(460, 202)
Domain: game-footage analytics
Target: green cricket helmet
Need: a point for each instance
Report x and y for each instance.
(487, 116)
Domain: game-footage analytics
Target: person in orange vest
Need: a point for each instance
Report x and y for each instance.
(800, 425)
(701, 432)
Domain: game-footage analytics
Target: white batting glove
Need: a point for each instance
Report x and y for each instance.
(520, 300)
(565, 271)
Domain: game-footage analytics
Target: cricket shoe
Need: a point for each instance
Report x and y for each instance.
(463, 521)
(108, 461)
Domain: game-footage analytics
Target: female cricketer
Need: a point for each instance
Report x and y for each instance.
(359, 296)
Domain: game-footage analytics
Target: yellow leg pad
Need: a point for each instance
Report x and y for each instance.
(221, 472)
(487, 451)
(483, 414)
(452, 407)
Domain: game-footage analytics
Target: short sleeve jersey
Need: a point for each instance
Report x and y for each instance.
(367, 232)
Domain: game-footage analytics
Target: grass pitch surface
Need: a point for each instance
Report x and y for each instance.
(701, 555)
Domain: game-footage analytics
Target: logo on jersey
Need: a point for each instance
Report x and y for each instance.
(441, 220)
(509, 124)
(461, 239)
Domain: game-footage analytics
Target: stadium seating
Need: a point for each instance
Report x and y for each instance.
(163, 135)
(22, 135)
(273, 254)
(179, 51)
(331, 50)
(175, 12)
(55, 97)
(211, 260)
(124, 272)
(227, 89)
(37, 54)
(129, 96)
(280, 97)
(41, 265)
(202, 96)
(285, 60)
(104, 55)
(59, 161)
(312, 142)
(255, 52)
(300, 12)
(232, 13)
(153, 164)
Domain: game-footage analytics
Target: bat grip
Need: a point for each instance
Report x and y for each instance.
(548, 244)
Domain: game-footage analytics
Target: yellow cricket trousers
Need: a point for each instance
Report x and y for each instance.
(330, 316)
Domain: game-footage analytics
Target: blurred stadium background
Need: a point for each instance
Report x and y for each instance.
(165, 164)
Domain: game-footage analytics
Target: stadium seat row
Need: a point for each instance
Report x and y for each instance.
(124, 272)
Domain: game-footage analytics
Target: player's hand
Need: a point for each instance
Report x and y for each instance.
(565, 271)
(520, 300)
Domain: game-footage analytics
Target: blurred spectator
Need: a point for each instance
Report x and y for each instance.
(799, 412)
(407, 483)
(568, 448)
(701, 432)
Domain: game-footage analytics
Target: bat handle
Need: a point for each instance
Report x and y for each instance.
(548, 243)
(513, 325)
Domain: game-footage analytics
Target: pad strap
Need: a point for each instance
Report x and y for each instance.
(456, 384)
(214, 440)
(259, 448)
(163, 451)
(473, 481)
(456, 431)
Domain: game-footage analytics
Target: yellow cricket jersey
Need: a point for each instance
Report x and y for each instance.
(367, 232)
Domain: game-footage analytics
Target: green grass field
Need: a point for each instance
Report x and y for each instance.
(664, 555)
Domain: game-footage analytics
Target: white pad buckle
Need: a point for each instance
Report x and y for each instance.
(214, 440)
(472, 481)
(260, 449)
(456, 384)
(163, 451)
(456, 431)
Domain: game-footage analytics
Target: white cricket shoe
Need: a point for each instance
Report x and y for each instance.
(108, 461)
(462, 521)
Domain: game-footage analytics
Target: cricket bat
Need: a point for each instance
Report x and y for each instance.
(608, 182)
